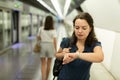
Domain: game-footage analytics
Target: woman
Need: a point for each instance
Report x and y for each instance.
(48, 46)
(79, 51)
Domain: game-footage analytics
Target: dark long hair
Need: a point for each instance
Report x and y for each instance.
(48, 23)
(91, 37)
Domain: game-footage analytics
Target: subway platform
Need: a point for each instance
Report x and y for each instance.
(21, 63)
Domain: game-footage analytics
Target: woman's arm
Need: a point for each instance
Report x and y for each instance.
(61, 52)
(95, 56)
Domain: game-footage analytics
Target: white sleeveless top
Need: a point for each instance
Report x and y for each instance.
(46, 35)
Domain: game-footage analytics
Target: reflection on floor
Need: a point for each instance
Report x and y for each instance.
(21, 63)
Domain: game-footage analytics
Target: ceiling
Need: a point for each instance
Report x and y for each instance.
(100, 13)
(75, 4)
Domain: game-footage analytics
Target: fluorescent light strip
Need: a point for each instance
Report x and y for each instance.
(57, 8)
(45, 5)
(67, 5)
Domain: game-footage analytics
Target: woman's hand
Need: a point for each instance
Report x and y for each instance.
(66, 58)
(66, 50)
(69, 57)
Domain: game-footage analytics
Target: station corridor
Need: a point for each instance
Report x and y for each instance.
(21, 63)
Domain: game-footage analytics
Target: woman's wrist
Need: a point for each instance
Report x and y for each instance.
(63, 54)
(78, 55)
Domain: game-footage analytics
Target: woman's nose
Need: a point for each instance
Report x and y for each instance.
(80, 30)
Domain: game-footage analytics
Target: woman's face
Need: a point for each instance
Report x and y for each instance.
(82, 29)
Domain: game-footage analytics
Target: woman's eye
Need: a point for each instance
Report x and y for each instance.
(84, 28)
(76, 27)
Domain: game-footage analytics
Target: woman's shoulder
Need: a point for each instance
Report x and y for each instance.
(65, 42)
(90, 48)
(65, 39)
(98, 43)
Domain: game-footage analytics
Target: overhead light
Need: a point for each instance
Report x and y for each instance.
(66, 7)
(45, 5)
(57, 8)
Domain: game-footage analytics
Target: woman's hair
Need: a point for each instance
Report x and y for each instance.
(91, 37)
(48, 23)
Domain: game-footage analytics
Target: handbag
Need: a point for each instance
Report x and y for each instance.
(57, 67)
(37, 48)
